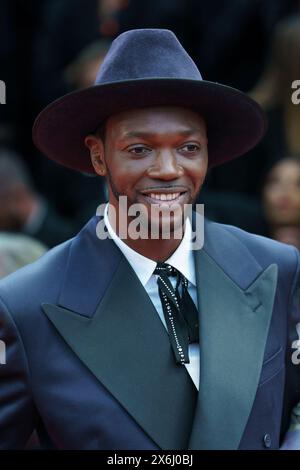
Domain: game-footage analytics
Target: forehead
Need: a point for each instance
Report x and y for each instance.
(155, 120)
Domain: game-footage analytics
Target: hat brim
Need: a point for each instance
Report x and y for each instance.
(235, 122)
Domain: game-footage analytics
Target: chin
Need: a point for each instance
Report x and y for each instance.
(166, 227)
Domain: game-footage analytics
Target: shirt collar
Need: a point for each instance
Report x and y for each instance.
(182, 258)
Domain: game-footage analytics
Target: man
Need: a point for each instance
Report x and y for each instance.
(122, 342)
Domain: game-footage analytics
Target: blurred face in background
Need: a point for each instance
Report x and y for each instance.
(281, 200)
(281, 195)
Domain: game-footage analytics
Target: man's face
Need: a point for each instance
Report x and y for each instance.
(155, 156)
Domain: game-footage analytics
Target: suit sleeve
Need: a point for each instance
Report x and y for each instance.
(16, 404)
(292, 385)
(294, 331)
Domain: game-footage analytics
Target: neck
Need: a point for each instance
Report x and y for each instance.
(157, 250)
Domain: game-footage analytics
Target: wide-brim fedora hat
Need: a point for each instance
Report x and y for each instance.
(148, 67)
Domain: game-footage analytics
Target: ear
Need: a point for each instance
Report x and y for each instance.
(96, 148)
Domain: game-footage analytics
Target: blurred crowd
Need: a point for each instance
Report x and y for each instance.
(52, 47)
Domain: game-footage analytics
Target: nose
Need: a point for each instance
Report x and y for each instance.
(166, 166)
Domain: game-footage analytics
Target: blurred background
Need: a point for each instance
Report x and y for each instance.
(52, 47)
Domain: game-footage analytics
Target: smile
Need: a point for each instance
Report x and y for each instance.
(165, 198)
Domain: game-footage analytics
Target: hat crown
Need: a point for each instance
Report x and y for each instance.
(146, 53)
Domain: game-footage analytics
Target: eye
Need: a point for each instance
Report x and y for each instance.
(139, 150)
(190, 148)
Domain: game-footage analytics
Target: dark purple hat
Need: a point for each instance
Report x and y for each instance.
(148, 67)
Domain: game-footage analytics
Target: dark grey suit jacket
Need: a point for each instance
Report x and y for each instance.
(89, 362)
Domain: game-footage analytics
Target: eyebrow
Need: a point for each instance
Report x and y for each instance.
(142, 134)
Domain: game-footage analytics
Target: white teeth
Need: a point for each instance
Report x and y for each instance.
(164, 197)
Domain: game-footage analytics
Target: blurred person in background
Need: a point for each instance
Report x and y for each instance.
(232, 39)
(17, 251)
(274, 93)
(109, 11)
(81, 73)
(22, 209)
(281, 201)
(64, 51)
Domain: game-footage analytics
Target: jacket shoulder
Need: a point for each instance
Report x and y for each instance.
(265, 250)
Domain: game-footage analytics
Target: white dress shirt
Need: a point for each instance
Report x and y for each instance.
(183, 260)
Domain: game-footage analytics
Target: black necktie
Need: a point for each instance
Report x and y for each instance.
(180, 312)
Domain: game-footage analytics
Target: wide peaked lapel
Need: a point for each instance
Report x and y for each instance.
(106, 317)
(235, 297)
